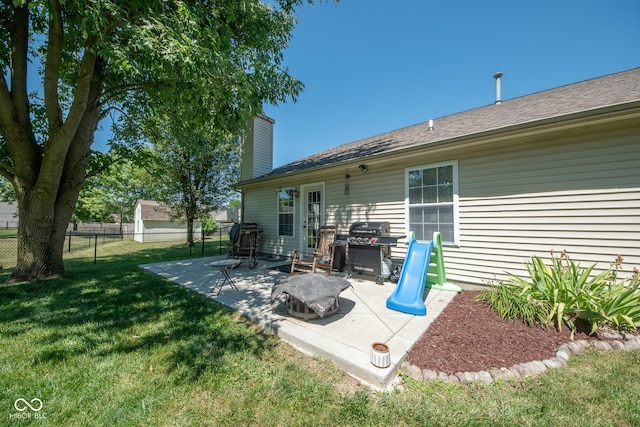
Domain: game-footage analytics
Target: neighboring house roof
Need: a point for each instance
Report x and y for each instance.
(153, 211)
(156, 211)
(557, 104)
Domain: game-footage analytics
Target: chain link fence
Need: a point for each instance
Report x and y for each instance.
(90, 247)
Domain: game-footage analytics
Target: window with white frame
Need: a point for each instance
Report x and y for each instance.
(432, 201)
(285, 212)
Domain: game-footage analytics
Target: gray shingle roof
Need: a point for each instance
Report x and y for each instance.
(607, 91)
(153, 211)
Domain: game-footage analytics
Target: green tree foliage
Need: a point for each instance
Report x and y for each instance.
(209, 224)
(114, 190)
(132, 60)
(196, 170)
(6, 191)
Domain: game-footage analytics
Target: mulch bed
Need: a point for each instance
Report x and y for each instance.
(468, 336)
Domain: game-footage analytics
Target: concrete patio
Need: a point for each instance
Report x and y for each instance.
(345, 337)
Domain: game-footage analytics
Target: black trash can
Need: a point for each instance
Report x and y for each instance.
(340, 255)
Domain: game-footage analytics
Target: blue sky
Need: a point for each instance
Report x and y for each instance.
(372, 66)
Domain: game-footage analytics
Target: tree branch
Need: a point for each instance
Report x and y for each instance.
(52, 69)
(57, 146)
(79, 153)
(6, 171)
(120, 89)
(6, 108)
(20, 47)
(15, 121)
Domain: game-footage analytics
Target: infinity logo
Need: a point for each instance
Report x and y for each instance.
(36, 407)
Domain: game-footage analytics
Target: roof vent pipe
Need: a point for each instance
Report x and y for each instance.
(498, 77)
(430, 125)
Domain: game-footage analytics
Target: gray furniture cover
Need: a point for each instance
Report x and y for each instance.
(318, 291)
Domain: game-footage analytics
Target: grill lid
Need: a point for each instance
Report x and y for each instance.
(369, 229)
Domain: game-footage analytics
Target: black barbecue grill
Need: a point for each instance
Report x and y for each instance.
(369, 245)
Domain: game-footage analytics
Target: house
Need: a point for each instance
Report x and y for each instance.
(153, 223)
(8, 215)
(228, 215)
(552, 170)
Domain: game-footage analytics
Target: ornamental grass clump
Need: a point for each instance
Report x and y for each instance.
(563, 291)
(514, 302)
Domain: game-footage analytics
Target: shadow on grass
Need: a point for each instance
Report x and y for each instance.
(112, 309)
(129, 251)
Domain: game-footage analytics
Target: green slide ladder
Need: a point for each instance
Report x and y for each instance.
(436, 275)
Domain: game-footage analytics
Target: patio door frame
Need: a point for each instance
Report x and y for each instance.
(305, 189)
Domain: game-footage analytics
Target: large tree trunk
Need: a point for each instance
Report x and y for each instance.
(47, 195)
(44, 217)
(39, 242)
(47, 176)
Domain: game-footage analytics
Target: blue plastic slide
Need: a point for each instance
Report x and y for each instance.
(407, 296)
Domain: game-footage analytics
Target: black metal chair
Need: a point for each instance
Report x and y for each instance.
(243, 243)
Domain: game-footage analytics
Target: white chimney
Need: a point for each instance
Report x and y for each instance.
(498, 77)
(257, 148)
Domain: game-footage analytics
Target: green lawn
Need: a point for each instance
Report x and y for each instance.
(83, 250)
(8, 232)
(112, 345)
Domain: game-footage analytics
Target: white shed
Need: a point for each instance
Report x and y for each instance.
(153, 223)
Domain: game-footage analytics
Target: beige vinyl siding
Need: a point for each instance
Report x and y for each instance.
(261, 207)
(263, 147)
(246, 165)
(257, 148)
(574, 194)
(372, 197)
(500, 237)
(377, 195)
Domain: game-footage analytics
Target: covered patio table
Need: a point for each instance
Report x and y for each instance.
(318, 292)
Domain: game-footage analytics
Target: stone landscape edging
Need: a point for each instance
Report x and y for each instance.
(523, 370)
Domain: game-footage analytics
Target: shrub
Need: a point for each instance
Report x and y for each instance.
(563, 291)
(619, 306)
(209, 224)
(564, 285)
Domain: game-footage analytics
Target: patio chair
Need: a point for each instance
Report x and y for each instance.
(322, 256)
(243, 243)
